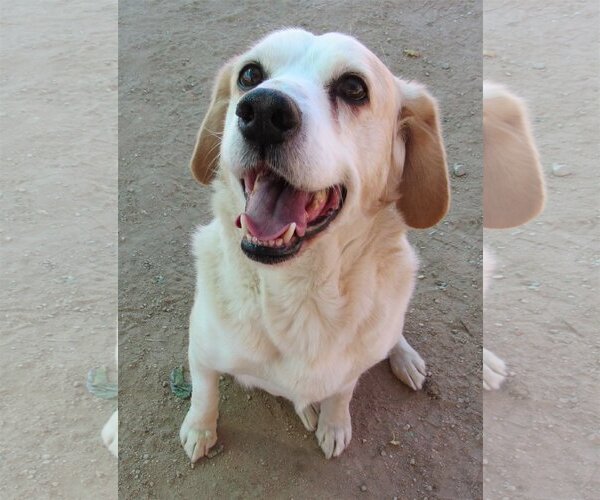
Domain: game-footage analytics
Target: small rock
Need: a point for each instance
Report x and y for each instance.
(559, 170)
(413, 461)
(459, 169)
(407, 427)
(363, 487)
(383, 453)
(445, 65)
(146, 456)
(538, 66)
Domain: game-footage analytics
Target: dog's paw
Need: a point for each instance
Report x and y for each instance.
(494, 371)
(309, 415)
(408, 366)
(197, 439)
(334, 436)
(110, 434)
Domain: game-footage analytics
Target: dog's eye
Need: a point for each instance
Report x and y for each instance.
(250, 76)
(352, 89)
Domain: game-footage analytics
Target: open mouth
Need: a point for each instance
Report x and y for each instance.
(279, 217)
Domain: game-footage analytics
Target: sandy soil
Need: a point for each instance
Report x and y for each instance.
(541, 430)
(58, 233)
(169, 54)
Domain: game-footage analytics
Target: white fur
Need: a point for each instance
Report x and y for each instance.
(110, 431)
(308, 328)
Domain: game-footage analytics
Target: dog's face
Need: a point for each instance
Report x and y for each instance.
(311, 129)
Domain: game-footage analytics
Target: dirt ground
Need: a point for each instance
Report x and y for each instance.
(169, 55)
(58, 233)
(541, 316)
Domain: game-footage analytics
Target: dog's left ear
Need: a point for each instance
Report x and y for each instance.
(205, 159)
(423, 188)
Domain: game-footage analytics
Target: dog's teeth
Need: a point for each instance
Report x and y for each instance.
(289, 233)
(322, 195)
(318, 199)
(278, 242)
(244, 223)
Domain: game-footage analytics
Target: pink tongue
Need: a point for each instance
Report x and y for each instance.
(273, 206)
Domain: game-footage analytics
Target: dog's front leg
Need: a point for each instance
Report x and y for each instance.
(334, 430)
(407, 365)
(198, 432)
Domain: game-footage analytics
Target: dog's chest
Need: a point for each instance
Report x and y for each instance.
(303, 344)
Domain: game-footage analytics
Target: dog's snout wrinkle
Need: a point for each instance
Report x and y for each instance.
(267, 116)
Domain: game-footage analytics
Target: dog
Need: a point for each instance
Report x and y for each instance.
(513, 185)
(320, 160)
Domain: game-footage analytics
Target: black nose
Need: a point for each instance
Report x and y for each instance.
(267, 116)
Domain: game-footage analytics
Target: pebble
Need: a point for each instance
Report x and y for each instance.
(538, 66)
(363, 487)
(146, 456)
(559, 170)
(445, 65)
(407, 427)
(459, 169)
(413, 461)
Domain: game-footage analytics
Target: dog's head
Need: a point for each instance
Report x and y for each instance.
(513, 184)
(315, 130)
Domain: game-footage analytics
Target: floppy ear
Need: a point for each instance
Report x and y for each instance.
(513, 183)
(424, 189)
(205, 159)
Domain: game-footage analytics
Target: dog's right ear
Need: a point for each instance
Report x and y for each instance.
(513, 184)
(205, 159)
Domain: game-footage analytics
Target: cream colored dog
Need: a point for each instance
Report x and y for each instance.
(320, 160)
(513, 185)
